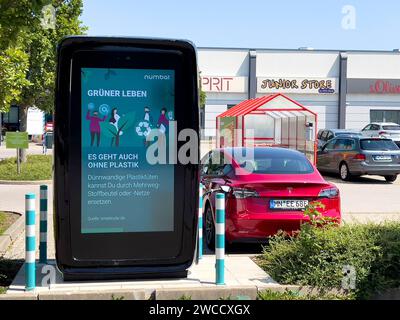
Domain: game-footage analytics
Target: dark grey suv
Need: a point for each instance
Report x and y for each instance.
(353, 155)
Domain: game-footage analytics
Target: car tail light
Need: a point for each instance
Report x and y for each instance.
(329, 193)
(241, 193)
(360, 157)
(382, 132)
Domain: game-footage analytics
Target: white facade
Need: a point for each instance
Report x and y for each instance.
(222, 63)
(371, 66)
(316, 79)
(317, 66)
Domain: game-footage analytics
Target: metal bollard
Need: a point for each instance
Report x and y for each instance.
(30, 242)
(43, 224)
(200, 248)
(220, 239)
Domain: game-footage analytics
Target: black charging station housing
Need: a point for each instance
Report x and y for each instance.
(131, 254)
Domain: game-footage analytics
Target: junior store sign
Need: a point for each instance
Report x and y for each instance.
(297, 85)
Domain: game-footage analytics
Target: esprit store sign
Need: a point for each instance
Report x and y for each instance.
(373, 86)
(224, 84)
(297, 85)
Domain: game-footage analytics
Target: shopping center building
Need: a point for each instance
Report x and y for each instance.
(347, 89)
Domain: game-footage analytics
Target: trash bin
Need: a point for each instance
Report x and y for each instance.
(49, 140)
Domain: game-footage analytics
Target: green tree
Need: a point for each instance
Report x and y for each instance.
(203, 95)
(14, 61)
(17, 16)
(31, 49)
(13, 68)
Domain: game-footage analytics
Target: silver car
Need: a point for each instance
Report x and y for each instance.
(351, 156)
(388, 130)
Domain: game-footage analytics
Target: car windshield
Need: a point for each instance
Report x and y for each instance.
(276, 163)
(378, 144)
(394, 128)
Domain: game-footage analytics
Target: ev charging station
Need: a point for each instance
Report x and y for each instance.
(116, 214)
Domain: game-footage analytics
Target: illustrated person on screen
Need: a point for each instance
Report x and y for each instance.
(114, 118)
(94, 126)
(147, 116)
(163, 121)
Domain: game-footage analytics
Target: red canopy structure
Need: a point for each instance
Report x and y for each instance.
(273, 120)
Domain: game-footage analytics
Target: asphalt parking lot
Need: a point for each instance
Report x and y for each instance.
(368, 198)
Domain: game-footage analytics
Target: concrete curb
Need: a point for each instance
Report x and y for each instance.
(211, 293)
(12, 233)
(82, 295)
(25, 296)
(96, 295)
(193, 293)
(28, 182)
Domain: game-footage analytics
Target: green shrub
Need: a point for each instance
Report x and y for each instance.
(316, 257)
(296, 295)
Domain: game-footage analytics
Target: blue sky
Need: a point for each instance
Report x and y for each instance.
(251, 23)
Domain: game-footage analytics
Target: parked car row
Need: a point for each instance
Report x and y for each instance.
(372, 151)
(269, 190)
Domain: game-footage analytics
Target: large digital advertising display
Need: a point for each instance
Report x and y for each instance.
(120, 108)
(126, 109)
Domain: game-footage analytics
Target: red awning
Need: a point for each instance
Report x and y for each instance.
(252, 105)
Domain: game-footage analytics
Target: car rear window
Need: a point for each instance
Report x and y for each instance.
(277, 164)
(391, 128)
(378, 144)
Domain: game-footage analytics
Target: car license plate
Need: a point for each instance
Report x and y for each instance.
(383, 158)
(288, 204)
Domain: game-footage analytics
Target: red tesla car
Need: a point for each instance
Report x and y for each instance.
(266, 190)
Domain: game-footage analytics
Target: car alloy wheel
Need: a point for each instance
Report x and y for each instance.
(344, 172)
(210, 229)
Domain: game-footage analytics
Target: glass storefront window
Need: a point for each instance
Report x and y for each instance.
(385, 116)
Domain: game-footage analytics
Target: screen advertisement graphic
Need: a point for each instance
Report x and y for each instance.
(121, 191)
